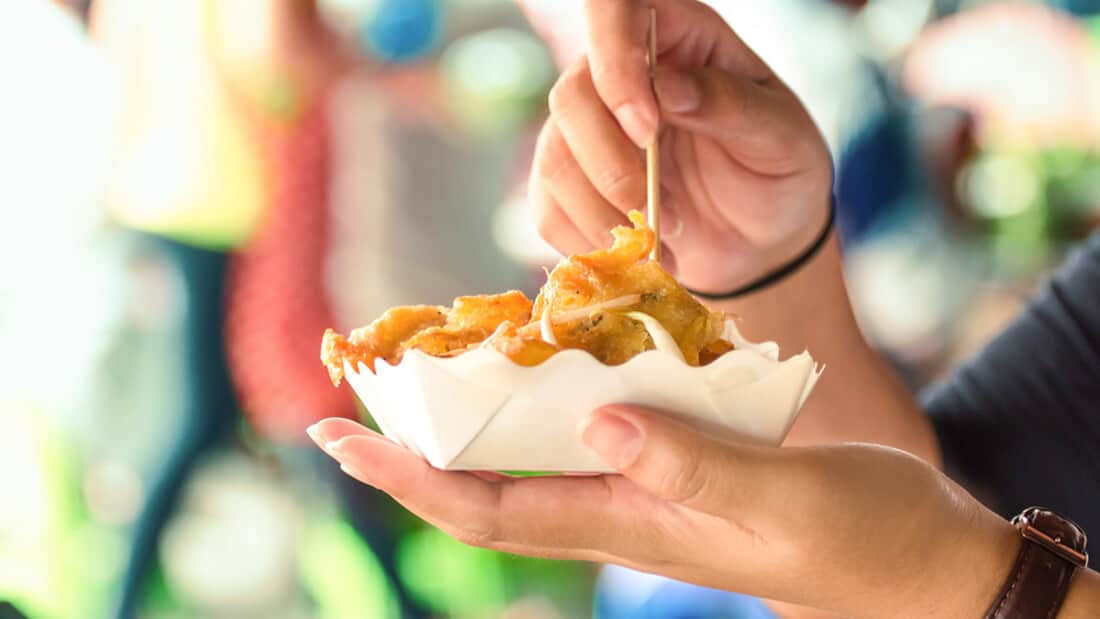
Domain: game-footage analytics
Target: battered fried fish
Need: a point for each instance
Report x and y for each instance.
(612, 303)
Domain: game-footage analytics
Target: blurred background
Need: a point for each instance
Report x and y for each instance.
(191, 192)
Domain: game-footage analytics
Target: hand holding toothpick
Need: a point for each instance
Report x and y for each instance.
(749, 181)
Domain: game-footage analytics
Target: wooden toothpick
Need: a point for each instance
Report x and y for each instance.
(653, 151)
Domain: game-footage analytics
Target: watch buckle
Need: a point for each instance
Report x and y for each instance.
(1078, 558)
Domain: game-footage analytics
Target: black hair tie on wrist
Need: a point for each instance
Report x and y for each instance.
(783, 271)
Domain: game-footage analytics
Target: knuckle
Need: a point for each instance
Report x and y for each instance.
(552, 158)
(569, 88)
(547, 224)
(617, 79)
(624, 188)
(481, 527)
(551, 145)
(685, 483)
(732, 93)
(710, 14)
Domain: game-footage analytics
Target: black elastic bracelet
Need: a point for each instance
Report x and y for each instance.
(783, 271)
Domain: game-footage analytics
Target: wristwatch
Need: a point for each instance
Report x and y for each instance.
(1052, 552)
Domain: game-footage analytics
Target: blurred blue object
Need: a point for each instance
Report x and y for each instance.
(403, 30)
(626, 594)
(7, 611)
(875, 169)
(211, 409)
(1077, 7)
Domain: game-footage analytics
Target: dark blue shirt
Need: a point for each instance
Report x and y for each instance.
(1020, 423)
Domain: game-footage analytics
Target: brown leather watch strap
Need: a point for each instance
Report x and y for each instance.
(1053, 550)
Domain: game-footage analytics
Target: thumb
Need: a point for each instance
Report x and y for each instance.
(679, 464)
(759, 117)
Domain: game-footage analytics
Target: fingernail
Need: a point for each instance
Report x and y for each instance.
(614, 438)
(636, 123)
(315, 434)
(339, 448)
(354, 472)
(677, 91)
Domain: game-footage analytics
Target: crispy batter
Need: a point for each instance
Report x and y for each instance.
(470, 321)
(434, 329)
(382, 338)
(614, 280)
(604, 275)
(523, 344)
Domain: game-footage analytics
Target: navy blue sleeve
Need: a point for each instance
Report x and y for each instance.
(1020, 423)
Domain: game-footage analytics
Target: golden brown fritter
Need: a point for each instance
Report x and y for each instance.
(619, 274)
(381, 338)
(434, 329)
(523, 345)
(587, 297)
(470, 321)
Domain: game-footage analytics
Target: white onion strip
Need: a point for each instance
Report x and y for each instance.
(546, 327)
(585, 312)
(547, 320)
(662, 339)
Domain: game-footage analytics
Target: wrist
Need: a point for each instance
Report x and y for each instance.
(971, 570)
(771, 266)
(810, 309)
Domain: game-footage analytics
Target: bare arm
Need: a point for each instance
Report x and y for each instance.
(1083, 599)
(859, 398)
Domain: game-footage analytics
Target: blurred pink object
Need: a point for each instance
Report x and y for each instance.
(1025, 70)
(560, 23)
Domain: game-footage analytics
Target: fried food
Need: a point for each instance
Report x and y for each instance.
(619, 274)
(590, 302)
(434, 329)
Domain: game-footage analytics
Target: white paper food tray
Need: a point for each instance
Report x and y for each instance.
(481, 411)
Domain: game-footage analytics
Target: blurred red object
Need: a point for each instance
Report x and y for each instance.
(277, 306)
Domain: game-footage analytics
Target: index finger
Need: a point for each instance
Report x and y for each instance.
(617, 50)
(593, 518)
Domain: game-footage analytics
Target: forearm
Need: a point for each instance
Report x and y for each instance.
(859, 398)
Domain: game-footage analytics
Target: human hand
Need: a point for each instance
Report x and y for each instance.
(746, 174)
(856, 529)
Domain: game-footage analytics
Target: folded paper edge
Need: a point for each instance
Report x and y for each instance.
(768, 351)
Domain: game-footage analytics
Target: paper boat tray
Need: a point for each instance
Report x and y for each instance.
(481, 411)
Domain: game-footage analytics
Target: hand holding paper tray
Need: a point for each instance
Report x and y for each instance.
(481, 411)
(469, 388)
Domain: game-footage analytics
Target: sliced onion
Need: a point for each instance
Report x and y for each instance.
(501, 329)
(662, 339)
(585, 312)
(546, 327)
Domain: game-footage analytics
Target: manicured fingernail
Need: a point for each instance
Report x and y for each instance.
(615, 438)
(677, 91)
(315, 434)
(637, 123)
(333, 449)
(353, 472)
